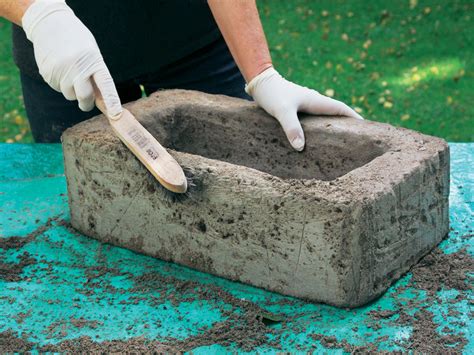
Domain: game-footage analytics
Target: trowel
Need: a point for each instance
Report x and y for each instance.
(146, 148)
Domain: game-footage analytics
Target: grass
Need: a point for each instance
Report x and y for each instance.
(409, 63)
(13, 123)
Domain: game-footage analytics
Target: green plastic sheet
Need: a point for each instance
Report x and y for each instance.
(72, 286)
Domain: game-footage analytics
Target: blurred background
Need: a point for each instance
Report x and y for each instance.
(408, 62)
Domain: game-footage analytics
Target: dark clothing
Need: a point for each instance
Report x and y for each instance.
(210, 69)
(135, 37)
(160, 44)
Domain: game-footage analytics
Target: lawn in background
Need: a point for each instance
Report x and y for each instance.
(13, 123)
(409, 63)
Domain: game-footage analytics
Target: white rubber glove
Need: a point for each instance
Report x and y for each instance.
(283, 100)
(67, 55)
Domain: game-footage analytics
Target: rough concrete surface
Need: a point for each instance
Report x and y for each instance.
(336, 223)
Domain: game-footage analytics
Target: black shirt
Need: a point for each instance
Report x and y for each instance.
(136, 37)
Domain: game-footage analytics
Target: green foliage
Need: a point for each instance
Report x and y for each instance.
(13, 123)
(408, 63)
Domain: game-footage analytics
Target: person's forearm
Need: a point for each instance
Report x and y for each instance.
(13, 10)
(240, 25)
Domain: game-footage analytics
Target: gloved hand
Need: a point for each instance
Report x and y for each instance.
(67, 55)
(283, 99)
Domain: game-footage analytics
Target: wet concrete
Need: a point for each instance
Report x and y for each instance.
(337, 223)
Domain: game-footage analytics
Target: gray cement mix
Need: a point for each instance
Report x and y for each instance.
(337, 223)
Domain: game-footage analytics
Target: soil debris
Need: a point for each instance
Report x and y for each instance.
(438, 269)
(426, 339)
(331, 342)
(11, 272)
(11, 342)
(18, 242)
(246, 325)
(245, 331)
(82, 322)
(382, 314)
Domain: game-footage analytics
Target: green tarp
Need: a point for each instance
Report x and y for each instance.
(63, 291)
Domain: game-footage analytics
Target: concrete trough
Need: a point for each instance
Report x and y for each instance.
(336, 223)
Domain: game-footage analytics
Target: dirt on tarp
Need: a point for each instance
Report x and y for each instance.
(18, 242)
(11, 342)
(247, 335)
(248, 326)
(11, 272)
(331, 342)
(426, 339)
(84, 323)
(245, 325)
(436, 271)
(246, 329)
